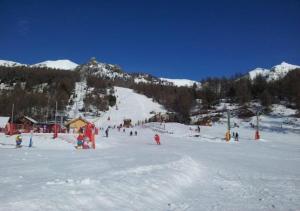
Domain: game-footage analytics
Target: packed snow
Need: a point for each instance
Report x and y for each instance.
(188, 171)
(181, 82)
(63, 64)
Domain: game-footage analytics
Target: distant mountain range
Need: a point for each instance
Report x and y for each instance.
(114, 71)
(63, 64)
(105, 70)
(275, 73)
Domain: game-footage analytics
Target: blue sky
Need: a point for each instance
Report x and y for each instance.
(177, 39)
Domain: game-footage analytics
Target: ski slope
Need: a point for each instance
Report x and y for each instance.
(129, 105)
(189, 171)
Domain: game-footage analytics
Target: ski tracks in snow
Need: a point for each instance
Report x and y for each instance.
(151, 186)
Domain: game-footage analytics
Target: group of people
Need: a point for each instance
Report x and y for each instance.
(156, 137)
(131, 133)
(82, 141)
(235, 135)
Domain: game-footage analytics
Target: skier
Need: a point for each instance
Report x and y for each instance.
(80, 138)
(106, 133)
(157, 139)
(19, 140)
(131, 133)
(135, 133)
(236, 136)
(198, 129)
(85, 144)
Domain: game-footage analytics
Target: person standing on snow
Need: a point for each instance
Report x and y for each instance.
(19, 140)
(157, 139)
(85, 144)
(80, 138)
(106, 133)
(236, 136)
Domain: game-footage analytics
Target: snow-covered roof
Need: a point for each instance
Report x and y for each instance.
(3, 121)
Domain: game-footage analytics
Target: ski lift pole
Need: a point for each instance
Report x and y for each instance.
(55, 126)
(257, 135)
(12, 119)
(227, 136)
(30, 141)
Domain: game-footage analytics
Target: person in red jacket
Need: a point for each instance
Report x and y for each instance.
(157, 139)
(80, 138)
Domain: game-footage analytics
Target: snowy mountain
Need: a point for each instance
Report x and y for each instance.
(275, 73)
(258, 71)
(96, 68)
(7, 63)
(181, 82)
(63, 64)
(105, 70)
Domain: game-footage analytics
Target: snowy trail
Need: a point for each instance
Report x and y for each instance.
(130, 105)
(132, 173)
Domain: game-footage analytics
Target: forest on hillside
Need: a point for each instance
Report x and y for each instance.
(35, 90)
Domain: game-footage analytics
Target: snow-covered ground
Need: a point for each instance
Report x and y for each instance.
(129, 105)
(189, 171)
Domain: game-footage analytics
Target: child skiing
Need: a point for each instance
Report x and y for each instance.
(85, 144)
(80, 138)
(18, 141)
(157, 139)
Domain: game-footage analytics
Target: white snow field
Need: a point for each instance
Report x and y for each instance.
(133, 173)
(129, 105)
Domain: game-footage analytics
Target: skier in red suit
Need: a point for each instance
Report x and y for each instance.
(157, 139)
